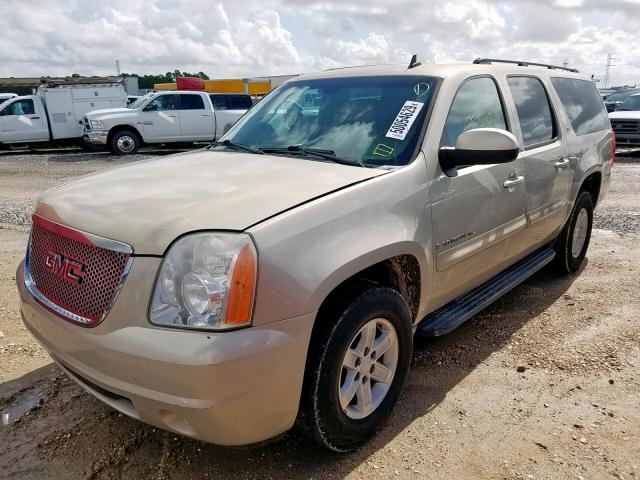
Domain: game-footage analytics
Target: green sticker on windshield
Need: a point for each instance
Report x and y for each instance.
(383, 150)
(421, 89)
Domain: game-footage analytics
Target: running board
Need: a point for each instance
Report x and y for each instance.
(455, 313)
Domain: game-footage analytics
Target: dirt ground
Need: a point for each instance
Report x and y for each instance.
(544, 384)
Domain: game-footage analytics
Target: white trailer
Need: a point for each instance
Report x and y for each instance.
(55, 112)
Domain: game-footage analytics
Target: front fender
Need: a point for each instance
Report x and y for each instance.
(308, 251)
(127, 126)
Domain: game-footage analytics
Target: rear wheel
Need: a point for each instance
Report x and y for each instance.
(573, 242)
(356, 368)
(124, 142)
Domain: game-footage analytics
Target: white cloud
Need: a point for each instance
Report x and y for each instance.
(229, 38)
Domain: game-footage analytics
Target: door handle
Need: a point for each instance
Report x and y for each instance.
(206, 114)
(513, 182)
(172, 116)
(562, 163)
(34, 118)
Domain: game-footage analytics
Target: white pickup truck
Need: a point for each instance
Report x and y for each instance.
(165, 117)
(54, 113)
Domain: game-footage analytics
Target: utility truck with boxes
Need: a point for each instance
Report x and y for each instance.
(54, 113)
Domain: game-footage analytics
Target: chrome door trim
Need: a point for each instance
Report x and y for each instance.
(471, 247)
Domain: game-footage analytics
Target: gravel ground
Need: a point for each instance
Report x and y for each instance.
(24, 177)
(543, 384)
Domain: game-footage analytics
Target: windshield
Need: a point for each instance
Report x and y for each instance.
(620, 96)
(141, 100)
(369, 121)
(632, 103)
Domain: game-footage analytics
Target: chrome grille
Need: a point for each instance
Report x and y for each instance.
(625, 126)
(74, 274)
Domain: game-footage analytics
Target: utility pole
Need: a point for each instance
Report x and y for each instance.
(608, 70)
(118, 68)
(565, 63)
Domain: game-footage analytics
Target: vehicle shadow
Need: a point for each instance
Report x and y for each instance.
(74, 435)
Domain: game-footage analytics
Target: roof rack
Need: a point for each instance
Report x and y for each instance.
(523, 64)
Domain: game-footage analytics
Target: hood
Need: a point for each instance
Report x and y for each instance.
(625, 115)
(150, 203)
(109, 112)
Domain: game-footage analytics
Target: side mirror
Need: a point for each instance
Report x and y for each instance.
(481, 146)
(150, 108)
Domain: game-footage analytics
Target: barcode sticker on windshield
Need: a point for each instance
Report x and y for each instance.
(401, 125)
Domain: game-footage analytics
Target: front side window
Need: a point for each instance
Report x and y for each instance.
(368, 121)
(191, 102)
(19, 107)
(534, 111)
(583, 105)
(477, 104)
(163, 102)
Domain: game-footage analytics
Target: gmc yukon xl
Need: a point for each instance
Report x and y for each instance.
(281, 275)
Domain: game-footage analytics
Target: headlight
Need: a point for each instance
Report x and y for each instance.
(206, 281)
(97, 124)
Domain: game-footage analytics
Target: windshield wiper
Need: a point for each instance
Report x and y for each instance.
(326, 154)
(239, 146)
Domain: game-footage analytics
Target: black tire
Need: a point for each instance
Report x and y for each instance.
(321, 415)
(124, 142)
(567, 261)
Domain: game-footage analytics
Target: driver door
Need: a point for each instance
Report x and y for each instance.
(160, 120)
(21, 122)
(478, 214)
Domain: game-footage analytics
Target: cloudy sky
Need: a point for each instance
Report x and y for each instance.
(268, 37)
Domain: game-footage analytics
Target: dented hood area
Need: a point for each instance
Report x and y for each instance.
(150, 203)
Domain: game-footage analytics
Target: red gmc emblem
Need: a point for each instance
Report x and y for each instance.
(65, 267)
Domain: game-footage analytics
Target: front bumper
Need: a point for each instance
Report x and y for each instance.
(230, 388)
(96, 137)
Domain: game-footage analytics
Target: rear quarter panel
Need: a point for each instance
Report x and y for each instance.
(588, 153)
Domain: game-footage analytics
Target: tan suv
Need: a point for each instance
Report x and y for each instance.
(281, 274)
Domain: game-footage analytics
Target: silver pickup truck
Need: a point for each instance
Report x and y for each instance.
(165, 117)
(281, 274)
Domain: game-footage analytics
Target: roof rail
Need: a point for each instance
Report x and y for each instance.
(523, 64)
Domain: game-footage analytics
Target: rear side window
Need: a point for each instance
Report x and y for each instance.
(477, 104)
(534, 111)
(240, 102)
(583, 105)
(191, 102)
(219, 102)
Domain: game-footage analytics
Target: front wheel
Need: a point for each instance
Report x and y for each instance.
(573, 242)
(356, 368)
(124, 143)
